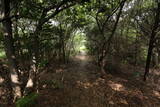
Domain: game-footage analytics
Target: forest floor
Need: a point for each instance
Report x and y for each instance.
(81, 84)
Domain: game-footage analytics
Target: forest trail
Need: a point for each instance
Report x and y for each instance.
(80, 84)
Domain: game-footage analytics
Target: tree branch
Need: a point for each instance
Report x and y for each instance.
(11, 17)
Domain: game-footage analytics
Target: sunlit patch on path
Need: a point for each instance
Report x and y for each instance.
(80, 84)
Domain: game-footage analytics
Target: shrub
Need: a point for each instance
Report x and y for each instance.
(27, 101)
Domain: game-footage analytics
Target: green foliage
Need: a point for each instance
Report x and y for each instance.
(2, 54)
(27, 101)
(78, 28)
(80, 42)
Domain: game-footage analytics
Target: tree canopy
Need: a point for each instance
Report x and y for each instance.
(114, 33)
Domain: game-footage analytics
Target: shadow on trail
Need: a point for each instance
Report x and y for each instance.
(79, 84)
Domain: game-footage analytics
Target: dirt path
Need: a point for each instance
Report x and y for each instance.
(79, 84)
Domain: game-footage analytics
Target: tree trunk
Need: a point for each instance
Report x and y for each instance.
(63, 50)
(62, 44)
(106, 50)
(148, 59)
(152, 40)
(155, 58)
(10, 52)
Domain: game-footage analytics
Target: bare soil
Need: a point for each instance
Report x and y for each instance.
(81, 84)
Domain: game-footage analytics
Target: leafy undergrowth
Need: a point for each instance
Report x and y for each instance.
(27, 101)
(80, 84)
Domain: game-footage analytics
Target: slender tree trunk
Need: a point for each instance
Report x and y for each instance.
(107, 49)
(151, 42)
(148, 61)
(158, 50)
(63, 50)
(62, 44)
(32, 84)
(155, 58)
(136, 52)
(10, 52)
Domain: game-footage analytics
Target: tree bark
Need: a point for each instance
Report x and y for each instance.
(36, 41)
(10, 52)
(62, 44)
(151, 42)
(106, 50)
